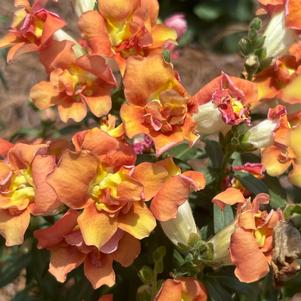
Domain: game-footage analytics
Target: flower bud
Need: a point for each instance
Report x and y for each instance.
(82, 6)
(178, 23)
(179, 230)
(261, 135)
(221, 244)
(278, 37)
(208, 119)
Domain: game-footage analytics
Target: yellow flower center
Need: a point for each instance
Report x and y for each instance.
(237, 106)
(106, 182)
(118, 32)
(21, 188)
(39, 28)
(260, 236)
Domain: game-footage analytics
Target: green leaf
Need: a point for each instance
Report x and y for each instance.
(253, 184)
(276, 192)
(146, 275)
(158, 257)
(216, 291)
(184, 152)
(208, 12)
(12, 268)
(222, 218)
(215, 153)
(166, 55)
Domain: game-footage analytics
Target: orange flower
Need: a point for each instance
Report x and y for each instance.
(95, 179)
(282, 79)
(291, 9)
(186, 288)
(156, 105)
(121, 29)
(285, 151)
(31, 29)
(251, 243)
(168, 188)
(230, 99)
(100, 179)
(23, 188)
(75, 83)
(68, 251)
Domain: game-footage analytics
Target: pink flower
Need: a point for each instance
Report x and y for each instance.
(178, 23)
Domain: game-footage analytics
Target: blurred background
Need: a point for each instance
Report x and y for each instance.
(209, 46)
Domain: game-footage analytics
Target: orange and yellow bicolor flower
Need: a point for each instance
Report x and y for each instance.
(185, 288)
(121, 29)
(156, 103)
(250, 243)
(23, 187)
(285, 152)
(223, 102)
(68, 251)
(283, 78)
(100, 179)
(31, 29)
(75, 85)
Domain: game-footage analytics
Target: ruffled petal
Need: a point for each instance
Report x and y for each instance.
(53, 235)
(96, 227)
(99, 272)
(251, 264)
(230, 196)
(72, 177)
(139, 221)
(128, 250)
(13, 227)
(63, 260)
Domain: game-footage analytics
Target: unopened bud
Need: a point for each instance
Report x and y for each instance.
(208, 119)
(221, 244)
(179, 230)
(278, 37)
(261, 135)
(82, 6)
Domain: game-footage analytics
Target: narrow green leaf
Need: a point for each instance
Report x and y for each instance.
(222, 218)
(253, 184)
(13, 267)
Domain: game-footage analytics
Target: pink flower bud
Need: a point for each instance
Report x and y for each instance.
(178, 23)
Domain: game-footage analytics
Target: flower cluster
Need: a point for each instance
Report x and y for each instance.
(106, 187)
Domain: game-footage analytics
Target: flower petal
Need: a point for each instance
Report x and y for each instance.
(53, 235)
(13, 227)
(270, 160)
(293, 14)
(93, 27)
(96, 227)
(128, 250)
(138, 222)
(153, 175)
(193, 290)
(171, 290)
(5, 146)
(230, 196)
(42, 95)
(173, 194)
(251, 264)
(45, 200)
(72, 177)
(141, 80)
(99, 273)
(64, 260)
(118, 10)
